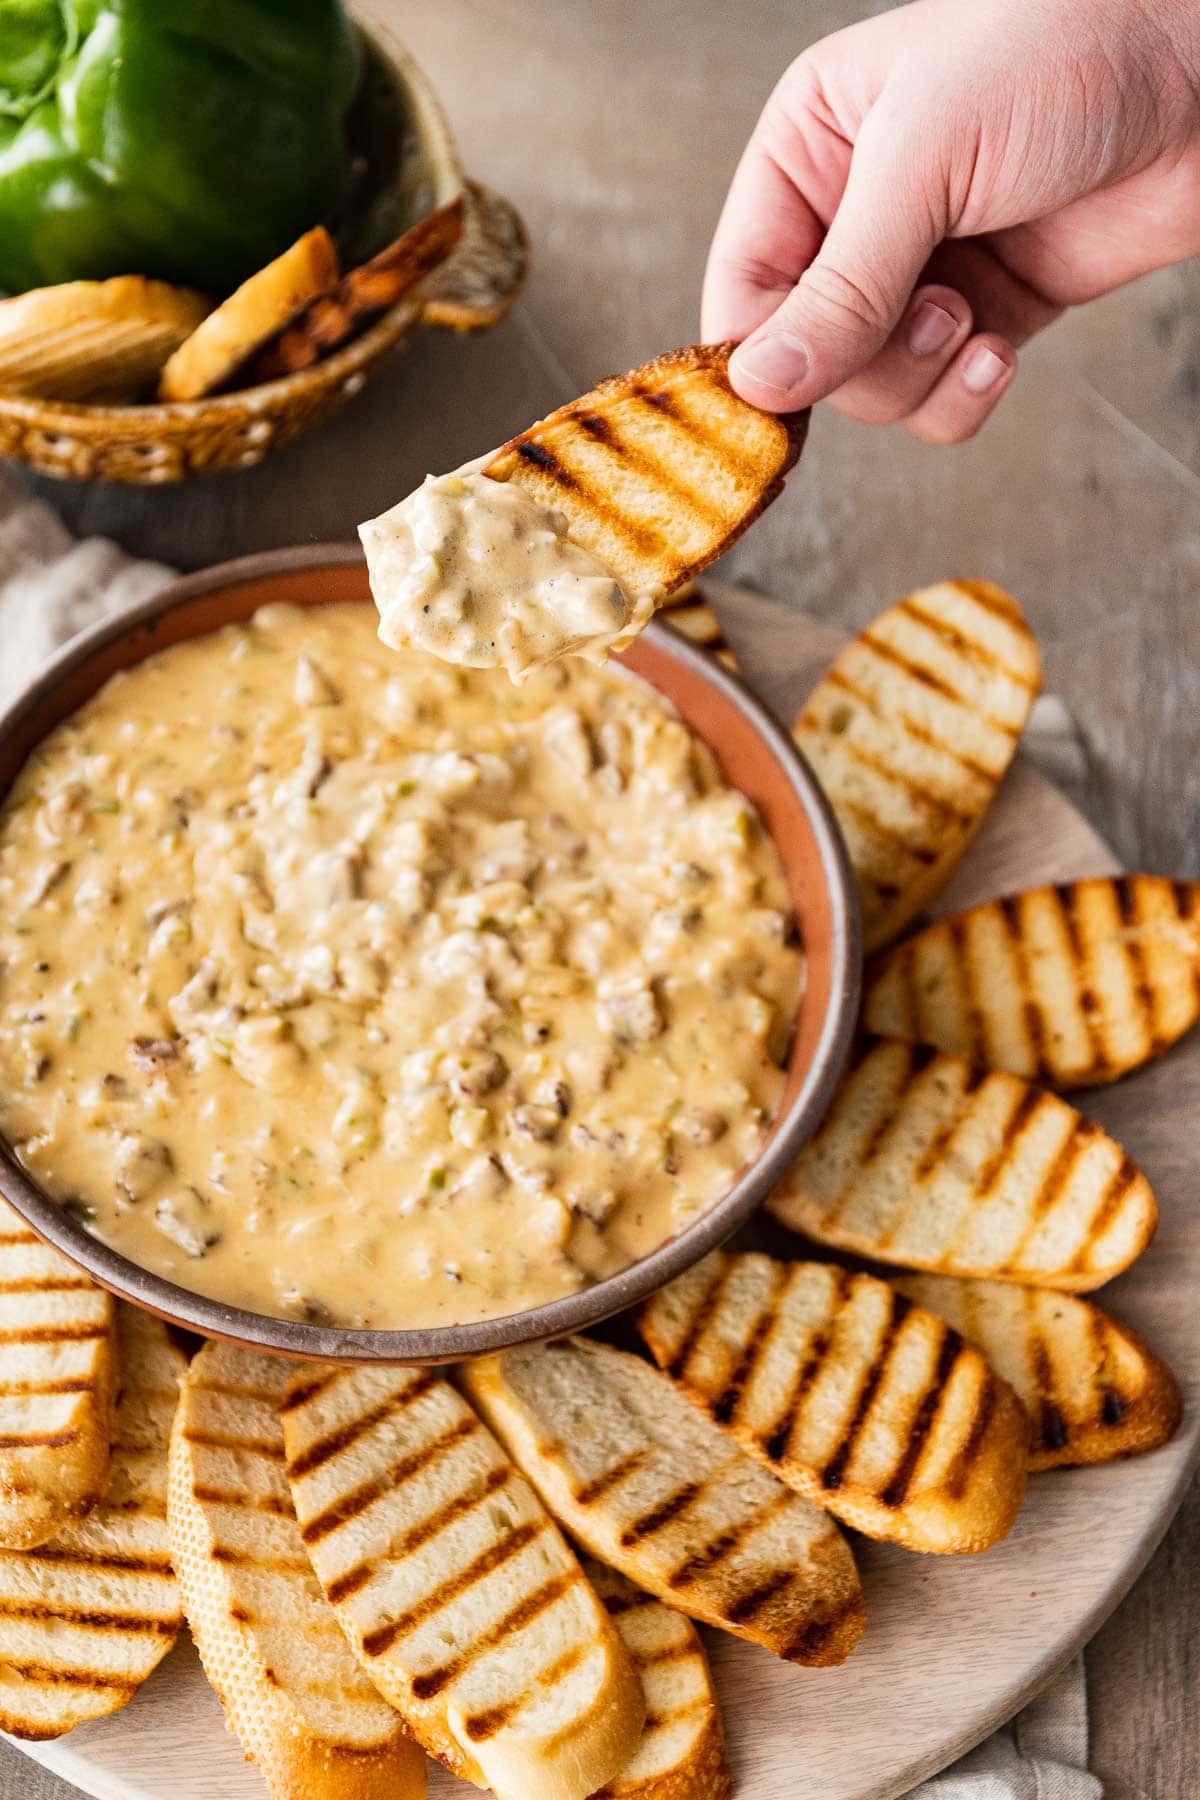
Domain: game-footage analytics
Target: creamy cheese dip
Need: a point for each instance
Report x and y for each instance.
(363, 989)
(478, 573)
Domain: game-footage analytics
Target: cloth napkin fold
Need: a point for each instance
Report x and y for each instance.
(53, 585)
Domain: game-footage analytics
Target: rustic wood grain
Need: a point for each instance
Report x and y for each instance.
(614, 128)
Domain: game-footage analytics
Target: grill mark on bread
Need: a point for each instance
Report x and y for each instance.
(896, 1491)
(481, 1726)
(985, 1407)
(836, 678)
(229, 1440)
(701, 1562)
(661, 1515)
(54, 1674)
(53, 1334)
(591, 1491)
(656, 472)
(920, 792)
(974, 649)
(928, 677)
(747, 1606)
(1116, 1188)
(377, 1642)
(48, 1284)
(69, 1556)
(403, 1469)
(776, 1441)
(208, 1495)
(342, 1586)
(743, 1370)
(41, 1611)
(699, 1320)
(302, 1392)
(1051, 1425)
(430, 1683)
(322, 1449)
(882, 830)
(833, 1473)
(812, 1637)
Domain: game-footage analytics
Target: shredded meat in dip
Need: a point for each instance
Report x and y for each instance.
(350, 986)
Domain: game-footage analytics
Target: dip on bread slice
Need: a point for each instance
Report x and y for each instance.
(566, 540)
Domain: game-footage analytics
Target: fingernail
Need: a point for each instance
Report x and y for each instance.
(932, 327)
(775, 360)
(984, 369)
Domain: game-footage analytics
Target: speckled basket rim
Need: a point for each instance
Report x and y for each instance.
(25, 720)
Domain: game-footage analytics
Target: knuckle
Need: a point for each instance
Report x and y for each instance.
(846, 302)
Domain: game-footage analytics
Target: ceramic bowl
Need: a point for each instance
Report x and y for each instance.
(405, 138)
(757, 757)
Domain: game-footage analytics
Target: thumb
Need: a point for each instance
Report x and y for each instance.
(845, 306)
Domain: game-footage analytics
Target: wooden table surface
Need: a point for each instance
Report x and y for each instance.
(615, 127)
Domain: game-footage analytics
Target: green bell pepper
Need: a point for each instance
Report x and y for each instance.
(191, 140)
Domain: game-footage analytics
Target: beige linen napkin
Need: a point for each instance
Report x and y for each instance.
(52, 586)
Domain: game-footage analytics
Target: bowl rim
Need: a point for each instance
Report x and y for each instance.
(573, 1312)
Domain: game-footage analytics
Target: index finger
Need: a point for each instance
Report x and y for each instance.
(765, 239)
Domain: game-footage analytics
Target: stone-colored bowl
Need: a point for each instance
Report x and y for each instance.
(757, 757)
(168, 440)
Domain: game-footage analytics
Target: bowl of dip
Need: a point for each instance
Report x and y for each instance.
(357, 1007)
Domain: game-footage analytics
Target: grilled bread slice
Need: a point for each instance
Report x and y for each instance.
(87, 1617)
(293, 1695)
(1065, 985)
(57, 1372)
(653, 1489)
(1093, 1390)
(456, 1592)
(925, 1160)
(694, 619)
(93, 340)
(864, 1403)
(254, 312)
(657, 471)
(910, 732)
(682, 1752)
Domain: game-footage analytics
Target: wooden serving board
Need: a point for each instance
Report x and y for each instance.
(954, 1645)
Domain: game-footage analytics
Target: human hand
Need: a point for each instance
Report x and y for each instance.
(928, 188)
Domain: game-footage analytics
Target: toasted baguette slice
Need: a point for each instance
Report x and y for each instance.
(864, 1403)
(653, 1489)
(456, 1592)
(1065, 985)
(87, 1617)
(361, 295)
(909, 734)
(1092, 1389)
(925, 1160)
(693, 617)
(57, 1374)
(682, 1752)
(93, 340)
(658, 471)
(254, 312)
(485, 271)
(293, 1695)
